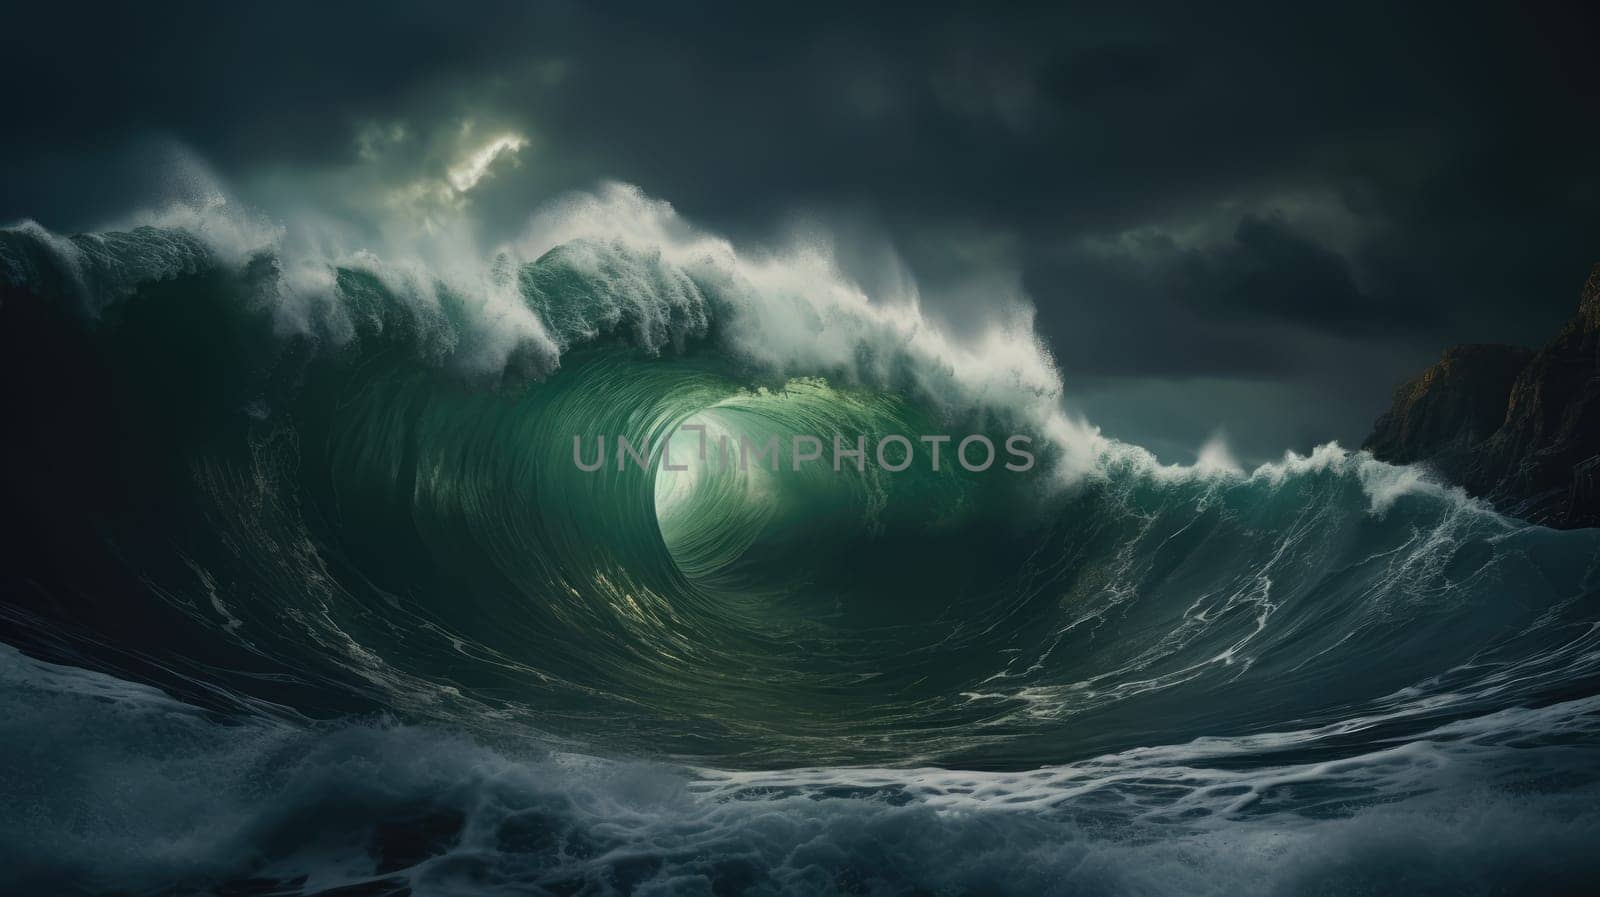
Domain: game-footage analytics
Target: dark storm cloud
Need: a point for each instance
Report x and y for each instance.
(1246, 194)
(1219, 298)
(1269, 270)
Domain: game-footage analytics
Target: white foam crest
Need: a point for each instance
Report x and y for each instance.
(790, 311)
(798, 314)
(794, 312)
(493, 326)
(233, 234)
(660, 301)
(1382, 482)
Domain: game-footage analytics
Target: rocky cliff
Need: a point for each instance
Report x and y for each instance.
(1519, 427)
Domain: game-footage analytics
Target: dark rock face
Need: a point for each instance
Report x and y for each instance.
(1520, 428)
(1452, 407)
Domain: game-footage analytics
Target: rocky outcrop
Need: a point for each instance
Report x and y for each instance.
(1452, 407)
(1520, 428)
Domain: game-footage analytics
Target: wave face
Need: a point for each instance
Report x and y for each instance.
(310, 594)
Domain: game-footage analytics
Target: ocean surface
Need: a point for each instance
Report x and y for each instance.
(303, 593)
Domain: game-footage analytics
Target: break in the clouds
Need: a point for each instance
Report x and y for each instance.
(1274, 212)
(435, 193)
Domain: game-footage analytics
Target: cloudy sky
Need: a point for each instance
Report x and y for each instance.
(1255, 220)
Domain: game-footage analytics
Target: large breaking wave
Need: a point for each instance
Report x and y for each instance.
(312, 595)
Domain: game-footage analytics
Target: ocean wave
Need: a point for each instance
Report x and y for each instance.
(331, 557)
